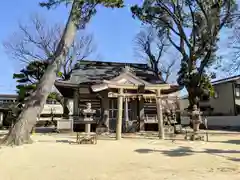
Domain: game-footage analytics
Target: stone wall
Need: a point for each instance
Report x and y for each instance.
(232, 122)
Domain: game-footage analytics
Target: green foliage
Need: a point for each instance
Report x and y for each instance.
(53, 95)
(28, 78)
(192, 27)
(83, 10)
(107, 3)
(60, 74)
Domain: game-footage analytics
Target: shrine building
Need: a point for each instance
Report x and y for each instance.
(127, 96)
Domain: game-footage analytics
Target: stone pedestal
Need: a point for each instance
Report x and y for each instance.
(196, 121)
(87, 128)
(196, 125)
(88, 118)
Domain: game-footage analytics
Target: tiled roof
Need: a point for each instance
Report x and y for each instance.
(225, 80)
(95, 71)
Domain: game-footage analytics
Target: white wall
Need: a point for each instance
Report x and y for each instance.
(184, 103)
(64, 124)
(221, 121)
(56, 108)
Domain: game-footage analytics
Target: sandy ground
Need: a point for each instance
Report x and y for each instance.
(51, 157)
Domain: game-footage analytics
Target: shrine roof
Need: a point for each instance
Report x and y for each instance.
(93, 72)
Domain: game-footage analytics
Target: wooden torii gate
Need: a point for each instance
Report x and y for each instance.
(128, 81)
(157, 95)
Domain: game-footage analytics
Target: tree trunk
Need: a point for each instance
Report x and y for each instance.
(20, 132)
(192, 98)
(66, 110)
(64, 102)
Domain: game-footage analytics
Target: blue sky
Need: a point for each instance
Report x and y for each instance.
(113, 30)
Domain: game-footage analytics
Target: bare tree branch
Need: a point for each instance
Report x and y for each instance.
(233, 66)
(38, 41)
(150, 46)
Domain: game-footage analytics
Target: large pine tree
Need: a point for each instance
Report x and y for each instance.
(80, 14)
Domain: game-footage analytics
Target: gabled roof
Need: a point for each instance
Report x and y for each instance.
(112, 75)
(93, 72)
(125, 78)
(128, 76)
(225, 80)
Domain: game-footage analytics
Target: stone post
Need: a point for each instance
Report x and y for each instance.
(119, 118)
(88, 128)
(161, 133)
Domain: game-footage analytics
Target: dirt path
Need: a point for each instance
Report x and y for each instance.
(128, 159)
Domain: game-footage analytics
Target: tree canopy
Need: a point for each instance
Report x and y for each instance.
(34, 44)
(192, 27)
(28, 78)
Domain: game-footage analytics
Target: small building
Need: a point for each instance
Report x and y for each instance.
(227, 96)
(5, 101)
(117, 90)
(226, 100)
(7, 98)
(51, 108)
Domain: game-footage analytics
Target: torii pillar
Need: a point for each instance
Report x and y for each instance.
(161, 132)
(119, 117)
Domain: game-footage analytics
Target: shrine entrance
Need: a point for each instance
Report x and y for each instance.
(127, 87)
(113, 112)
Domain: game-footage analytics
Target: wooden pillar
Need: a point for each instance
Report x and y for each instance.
(126, 110)
(134, 109)
(75, 106)
(76, 102)
(126, 116)
(141, 114)
(119, 118)
(66, 109)
(159, 115)
(1, 119)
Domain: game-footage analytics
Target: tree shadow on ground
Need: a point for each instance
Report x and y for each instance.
(65, 141)
(57, 141)
(181, 151)
(187, 151)
(44, 130)
(233, 141)
(233, 159)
